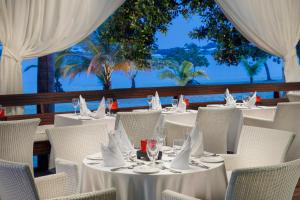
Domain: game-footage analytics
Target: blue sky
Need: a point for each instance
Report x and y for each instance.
(177, 34)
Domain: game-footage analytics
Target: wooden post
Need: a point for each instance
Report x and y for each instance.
(45, 81)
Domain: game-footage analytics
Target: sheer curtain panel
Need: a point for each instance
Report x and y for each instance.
(33, 28)
(272, 25)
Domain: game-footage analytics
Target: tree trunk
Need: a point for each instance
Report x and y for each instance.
(283, 75)
(45, 80)
(251, 79)
(133, 85)
(132, 82)
(107, 85)
(267, 71)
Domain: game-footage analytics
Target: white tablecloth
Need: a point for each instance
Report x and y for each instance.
(70, 119)
(206, 184)
(188, 117)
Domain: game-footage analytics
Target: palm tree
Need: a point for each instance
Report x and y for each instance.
(47, 67)
(182, 73)
(92, 56)
(252, 69)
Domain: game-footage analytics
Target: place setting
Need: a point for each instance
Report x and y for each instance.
(153, 156)
(86, 114)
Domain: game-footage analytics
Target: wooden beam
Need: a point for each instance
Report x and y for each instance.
(47, 98)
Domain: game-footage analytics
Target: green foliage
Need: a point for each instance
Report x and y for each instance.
(134, 24)
(190, 52)
(231, 45)
(182, 73)
(95, 57)
(252, 68)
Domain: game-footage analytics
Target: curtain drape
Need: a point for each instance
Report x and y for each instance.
(33, 28)
(272, 25)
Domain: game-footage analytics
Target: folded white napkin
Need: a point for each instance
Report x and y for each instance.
(197, 142)
(230, 101)
(122, 139)
(100, 112)
(251, 102)
(84, 111)
(112, 156)
(181, 105)
(181, 161)
(156, 105)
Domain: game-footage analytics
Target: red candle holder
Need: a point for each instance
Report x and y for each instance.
(258, 99)
(114, 105)
(144, 145)
(2, 113)
(187, 102)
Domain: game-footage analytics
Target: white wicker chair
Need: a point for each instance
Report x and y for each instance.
(259, 147)
(263, 183)
(70, 144)
(176, 131)
(214, 123)
(171, 195)
(286, 118)
(16, 140)
(17, 183)
(294, 96)
(138, 125)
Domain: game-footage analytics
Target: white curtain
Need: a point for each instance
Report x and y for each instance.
(272, 25)
(33, 28)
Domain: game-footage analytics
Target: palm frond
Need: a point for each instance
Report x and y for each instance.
(92, 47)
(199, 73)
(29, 67)
(73, 69)
(167, 74)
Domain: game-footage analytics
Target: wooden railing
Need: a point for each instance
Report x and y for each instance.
(50, 98)
(43, 99)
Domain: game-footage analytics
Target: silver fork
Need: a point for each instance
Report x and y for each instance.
(171, 170)
(194, 163)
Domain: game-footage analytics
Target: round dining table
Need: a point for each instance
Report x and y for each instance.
(203, 180)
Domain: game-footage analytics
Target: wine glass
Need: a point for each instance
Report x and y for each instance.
(174, 104)
(108, 104)
(161, 138)
(149, 100)
(75, 103)
(152, 150)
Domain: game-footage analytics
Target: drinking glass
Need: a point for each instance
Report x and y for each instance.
(161, 138)
(108, 104)
(75, 103)
(177, 145)
(174, 104)
(152, 150)
(149, 100)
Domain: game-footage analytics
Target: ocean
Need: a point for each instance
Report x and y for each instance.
(217, 74)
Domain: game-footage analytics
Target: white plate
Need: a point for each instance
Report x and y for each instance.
(206, 153)
(166, 148)
(94, 157)
(212, 159)
(93, 162)
(144, 169)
